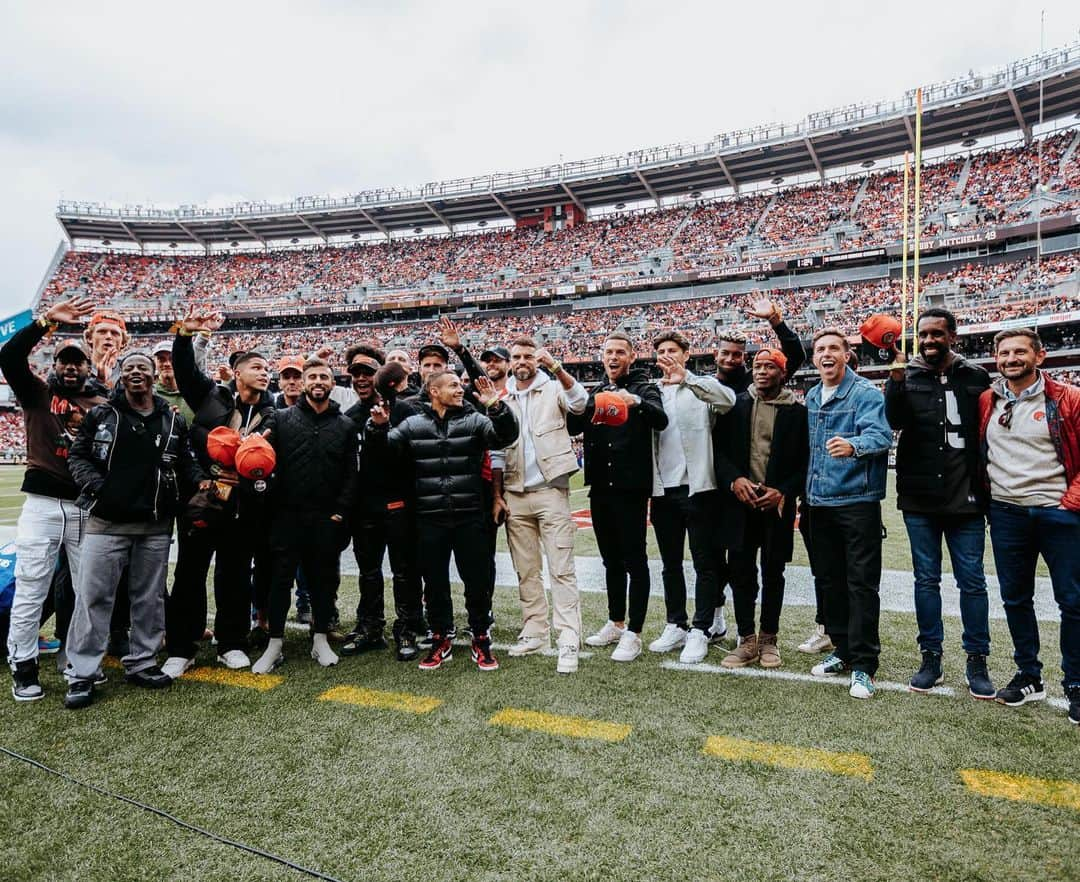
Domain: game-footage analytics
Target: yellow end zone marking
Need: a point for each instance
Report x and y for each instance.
(789, 757)
(1021, 788)
(554, 724)
(227, 677)
(398, 701)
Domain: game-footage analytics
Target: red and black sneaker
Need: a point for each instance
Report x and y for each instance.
(442, 650)
(481, 653)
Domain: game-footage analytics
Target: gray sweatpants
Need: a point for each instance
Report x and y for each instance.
(104, 557)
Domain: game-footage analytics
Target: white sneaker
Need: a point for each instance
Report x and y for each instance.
(817, 642)
(271, 659)
(718, 631)
(235, 659)
(629, 647)
(175, 665)
(610, 633)
(321, 651)
(672, 637)
(568, 659)
(528, 645)
(696, 648)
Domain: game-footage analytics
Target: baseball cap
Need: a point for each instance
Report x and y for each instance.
(495, 352)
(434, 349)
(611, 410)
(880, 331)
(69, 345)
(774, 355)
(164, 347)
(222, 444)
(290, 363)
(255, 458)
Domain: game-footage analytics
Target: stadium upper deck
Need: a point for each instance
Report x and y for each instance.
(976, 106)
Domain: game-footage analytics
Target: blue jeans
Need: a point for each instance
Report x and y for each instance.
(966, 537)
(1019, 535)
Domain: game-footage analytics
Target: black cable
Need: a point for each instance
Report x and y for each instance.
(161, 813)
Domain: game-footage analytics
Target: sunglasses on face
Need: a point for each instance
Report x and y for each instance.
(359, 369)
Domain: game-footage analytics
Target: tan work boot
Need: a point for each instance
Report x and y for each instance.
(769, 652)
(746, 653)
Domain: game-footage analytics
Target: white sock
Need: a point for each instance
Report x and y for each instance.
(321, 651)
(270, 658)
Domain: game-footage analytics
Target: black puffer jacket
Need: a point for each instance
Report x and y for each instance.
(131, 469)
(316, 460)
(448, 452)
(918, 408)
(620, 457)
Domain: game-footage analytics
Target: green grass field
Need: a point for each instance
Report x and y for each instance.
(682, 774)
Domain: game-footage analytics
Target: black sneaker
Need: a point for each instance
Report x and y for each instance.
(929, 675)
(25, 685)
(406, 646)
(482, 655)
(149, 678)
(79, 694)
(426, 642)
(1021, 689)
(978, 678)
(357, 643)
(1073, 694)
(303, 615)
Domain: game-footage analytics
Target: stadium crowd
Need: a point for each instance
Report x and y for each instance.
(126, 445)
(866, 210)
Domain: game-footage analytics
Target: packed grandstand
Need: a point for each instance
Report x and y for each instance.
(999, 237)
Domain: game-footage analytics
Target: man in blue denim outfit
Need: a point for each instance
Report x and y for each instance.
(934, 403)
(845, 483)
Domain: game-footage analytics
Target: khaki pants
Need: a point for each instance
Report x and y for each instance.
(542, 518)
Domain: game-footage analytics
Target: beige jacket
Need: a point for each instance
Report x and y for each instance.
(546, 427)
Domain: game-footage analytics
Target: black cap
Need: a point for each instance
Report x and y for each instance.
(434, 349)
(73, 345)
(496, 352)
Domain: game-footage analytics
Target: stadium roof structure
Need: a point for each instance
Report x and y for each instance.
(979, 105)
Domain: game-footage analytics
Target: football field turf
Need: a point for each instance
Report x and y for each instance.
(374, 770)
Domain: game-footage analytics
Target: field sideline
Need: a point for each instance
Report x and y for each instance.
(374, 770)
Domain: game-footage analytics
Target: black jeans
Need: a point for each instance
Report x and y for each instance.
(619, 524)
(374, 534)
(808, 541)
(311, 540)
(674, 515)
(465, 535)
(761, 533)
(232, 546)
(847, 557)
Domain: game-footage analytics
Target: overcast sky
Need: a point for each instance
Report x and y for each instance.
(226, 101)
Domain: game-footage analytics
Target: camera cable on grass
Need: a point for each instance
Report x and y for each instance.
(161, 813)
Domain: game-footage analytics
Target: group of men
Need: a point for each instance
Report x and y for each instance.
(123, 444)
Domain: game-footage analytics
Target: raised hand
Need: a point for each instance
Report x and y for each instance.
(674, 372)
(68, 312)
(897, 368)
(448, 333)
(202, 319)
(545, 359)
(379, 415)
(223, 373)
(324, 352)
(106, 364)
(760, 307)
(485, 390)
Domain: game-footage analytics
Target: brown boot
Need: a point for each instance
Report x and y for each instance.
(746, 653)
(769, 651)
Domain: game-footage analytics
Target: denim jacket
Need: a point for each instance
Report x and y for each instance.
(855, 412)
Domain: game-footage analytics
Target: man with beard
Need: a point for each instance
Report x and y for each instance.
(845, 483)
(934, 403)
(446, 443)
(382, 522)
(618, 469)
(732, 371)
(1029, 432)
(50, 520)
(240, 532)
(315, 482)
(532, 490)
(133, 463)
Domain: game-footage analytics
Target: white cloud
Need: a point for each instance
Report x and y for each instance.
(136, 102)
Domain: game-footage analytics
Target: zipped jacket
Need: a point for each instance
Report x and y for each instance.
(132, 470)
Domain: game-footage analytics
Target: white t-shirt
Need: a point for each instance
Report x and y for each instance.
(827, 392)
